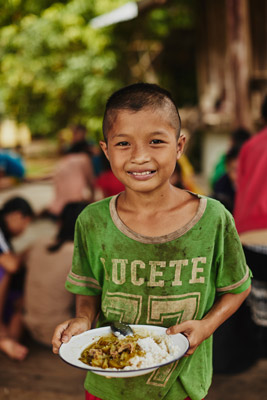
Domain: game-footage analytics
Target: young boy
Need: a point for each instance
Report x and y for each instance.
(154, 254)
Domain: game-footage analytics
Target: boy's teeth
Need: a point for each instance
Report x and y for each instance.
(142, 173)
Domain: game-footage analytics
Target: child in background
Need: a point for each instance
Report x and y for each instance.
(154, 254)
(225, 187)
(46, 300)
(237, 139)
(15, 216)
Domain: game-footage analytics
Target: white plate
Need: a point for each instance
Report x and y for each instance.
(71, 351)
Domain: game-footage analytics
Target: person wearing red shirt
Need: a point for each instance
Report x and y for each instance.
(106, 182)
(250, 215)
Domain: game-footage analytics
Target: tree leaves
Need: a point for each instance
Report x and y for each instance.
(54, 67)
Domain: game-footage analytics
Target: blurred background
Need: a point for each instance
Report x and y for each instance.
(61, 60)
(57, 69)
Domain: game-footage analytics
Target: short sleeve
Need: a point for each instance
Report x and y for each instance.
(81, 279)
(233, 274)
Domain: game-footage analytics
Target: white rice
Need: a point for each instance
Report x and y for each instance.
(155, 353)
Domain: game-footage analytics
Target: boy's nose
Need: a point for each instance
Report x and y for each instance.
(140, 155)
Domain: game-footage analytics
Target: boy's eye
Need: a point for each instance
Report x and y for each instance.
(123, 143)
(156, 141)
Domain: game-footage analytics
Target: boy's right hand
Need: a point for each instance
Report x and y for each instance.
(64, 332)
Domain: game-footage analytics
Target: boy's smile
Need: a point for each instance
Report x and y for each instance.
(143, 148)
(142, 175)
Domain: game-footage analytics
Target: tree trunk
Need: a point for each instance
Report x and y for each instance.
(238, 53)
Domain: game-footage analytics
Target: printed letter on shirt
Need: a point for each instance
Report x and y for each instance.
(115, 278)
(196, 270)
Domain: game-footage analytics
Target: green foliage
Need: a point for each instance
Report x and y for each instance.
(55, 69)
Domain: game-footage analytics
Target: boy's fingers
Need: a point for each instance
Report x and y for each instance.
(67, 335)
(172, 330)
(65, 331)
(74, 328)
(57, 337)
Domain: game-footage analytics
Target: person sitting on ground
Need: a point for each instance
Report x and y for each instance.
(47, 263)
(15, 216)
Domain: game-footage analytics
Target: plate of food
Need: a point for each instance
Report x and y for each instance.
(100, 351)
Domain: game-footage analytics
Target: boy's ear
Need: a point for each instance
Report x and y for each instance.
(104, 147)
(180, 146)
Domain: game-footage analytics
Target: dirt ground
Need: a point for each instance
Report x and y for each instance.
(44, 376)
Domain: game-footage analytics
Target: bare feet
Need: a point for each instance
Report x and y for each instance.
(13, 349)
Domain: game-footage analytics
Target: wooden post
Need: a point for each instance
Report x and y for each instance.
(145, 5)
(238, 56)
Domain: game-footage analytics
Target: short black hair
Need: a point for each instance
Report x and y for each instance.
(240, 136)
(17, 204)
(232, 154)
(135, 98)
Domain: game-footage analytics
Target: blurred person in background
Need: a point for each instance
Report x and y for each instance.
(106, 183)
(78, 139)
(238, 138)
(79, 143)
(15, 216)
(176, 178)
(12, 168)
(73, 179)
(225, 187)
(48, 262)
(233, 335)
(188, 175)
(250, 215)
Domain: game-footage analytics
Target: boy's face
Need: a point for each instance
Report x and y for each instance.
(143, 148)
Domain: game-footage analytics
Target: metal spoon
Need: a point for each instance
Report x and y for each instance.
(119, 328)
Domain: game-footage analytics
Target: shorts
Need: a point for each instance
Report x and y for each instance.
(89, 396)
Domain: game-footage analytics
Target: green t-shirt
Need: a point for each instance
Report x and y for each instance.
(157, 281)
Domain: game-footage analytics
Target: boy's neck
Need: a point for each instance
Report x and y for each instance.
(143, 202)
(157, 215)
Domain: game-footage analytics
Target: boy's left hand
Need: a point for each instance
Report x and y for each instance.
(194, 331)
(197, 331)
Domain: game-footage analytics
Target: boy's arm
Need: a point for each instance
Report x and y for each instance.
(199, 330)
(87, 308)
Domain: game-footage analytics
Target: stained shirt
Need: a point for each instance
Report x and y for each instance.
(157, 281)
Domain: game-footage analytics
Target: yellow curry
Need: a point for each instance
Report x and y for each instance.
(111, 352)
